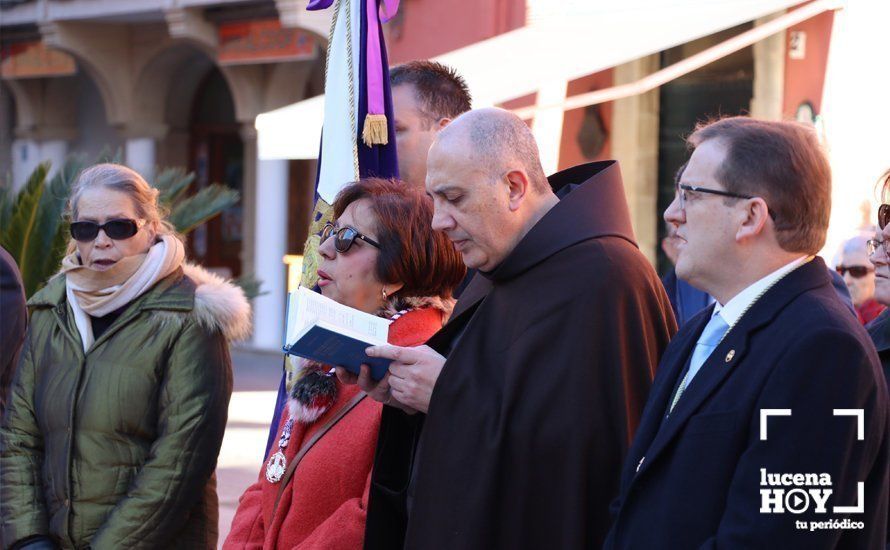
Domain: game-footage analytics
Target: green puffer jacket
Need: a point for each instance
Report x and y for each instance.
(116, 447)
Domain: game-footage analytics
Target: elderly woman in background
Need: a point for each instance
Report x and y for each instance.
(879, 254)
(859, 276)
(119, 404)
(380, 256)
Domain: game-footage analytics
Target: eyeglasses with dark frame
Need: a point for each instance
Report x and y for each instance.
(871, 246)
(346, 236)
(119, 229)
(681, 189)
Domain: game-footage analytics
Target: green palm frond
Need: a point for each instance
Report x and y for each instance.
(24, 235)
(202, 206)
(48, 238)
(61, 183)
(54, 237)
(59, 189)
(24, 211)
(56, 251)
(115, 156)
(172, 184)
(6, 200)
(251, 286)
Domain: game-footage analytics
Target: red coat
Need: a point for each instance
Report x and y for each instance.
(325, 503)
(868, 310)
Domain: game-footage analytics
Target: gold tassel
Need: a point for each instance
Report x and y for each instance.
(374, 131)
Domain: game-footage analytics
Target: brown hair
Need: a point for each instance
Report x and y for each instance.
(423, 260)
(783, 163)
(441, 92)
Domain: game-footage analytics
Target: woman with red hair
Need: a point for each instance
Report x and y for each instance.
(379, 255)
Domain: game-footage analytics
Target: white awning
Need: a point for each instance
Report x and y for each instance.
(292, 132)
(567, 42)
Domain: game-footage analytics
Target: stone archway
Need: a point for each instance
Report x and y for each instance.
(162, 98)
(49, 115)
(98, 52)
(187, 104)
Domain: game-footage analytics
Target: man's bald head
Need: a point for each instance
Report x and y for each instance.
(497, 141)
(487, 185)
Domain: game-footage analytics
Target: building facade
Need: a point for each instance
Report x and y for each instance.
(181, 82)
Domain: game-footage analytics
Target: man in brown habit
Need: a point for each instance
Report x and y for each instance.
(542, 372)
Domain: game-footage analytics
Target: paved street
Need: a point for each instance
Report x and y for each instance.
(256, 380)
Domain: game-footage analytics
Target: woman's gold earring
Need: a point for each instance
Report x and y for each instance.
(383, 291)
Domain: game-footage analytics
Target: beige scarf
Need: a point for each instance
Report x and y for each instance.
(98, 293)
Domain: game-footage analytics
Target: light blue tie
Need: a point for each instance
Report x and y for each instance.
(710, 337)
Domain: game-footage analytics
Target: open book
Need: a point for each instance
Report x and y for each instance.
(323, 330)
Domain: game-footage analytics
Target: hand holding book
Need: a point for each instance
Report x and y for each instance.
(412, 373)
(323, 330)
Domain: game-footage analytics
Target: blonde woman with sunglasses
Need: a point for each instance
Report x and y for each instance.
(119, 404)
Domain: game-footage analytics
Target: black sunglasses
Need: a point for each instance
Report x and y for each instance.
(856, 271)
(118, 230)
(345, 237)
(883, 215)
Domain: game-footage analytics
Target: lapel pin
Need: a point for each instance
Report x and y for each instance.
(730, 355)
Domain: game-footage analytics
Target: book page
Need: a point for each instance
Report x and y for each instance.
(309, 307)
(292, 324)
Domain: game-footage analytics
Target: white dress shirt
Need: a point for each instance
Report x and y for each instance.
(735, 307)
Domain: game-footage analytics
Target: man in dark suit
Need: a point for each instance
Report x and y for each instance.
(767, 423)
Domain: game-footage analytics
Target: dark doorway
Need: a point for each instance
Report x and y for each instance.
(722, 88)
(300, 203)
(217, 156)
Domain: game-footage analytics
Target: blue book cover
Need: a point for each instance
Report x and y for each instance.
(331, 346)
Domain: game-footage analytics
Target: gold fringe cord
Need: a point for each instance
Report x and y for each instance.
(374, 131)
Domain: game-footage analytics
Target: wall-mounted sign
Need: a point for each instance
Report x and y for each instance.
(262, 41)
(34, 60)
(797, 45)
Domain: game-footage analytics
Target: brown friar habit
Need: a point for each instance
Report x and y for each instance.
(549, 362)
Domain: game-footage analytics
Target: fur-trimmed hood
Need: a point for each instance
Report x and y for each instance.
(219, 303)
(396, 304)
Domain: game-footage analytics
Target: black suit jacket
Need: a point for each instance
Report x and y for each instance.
(879, 330)
(694, 479)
